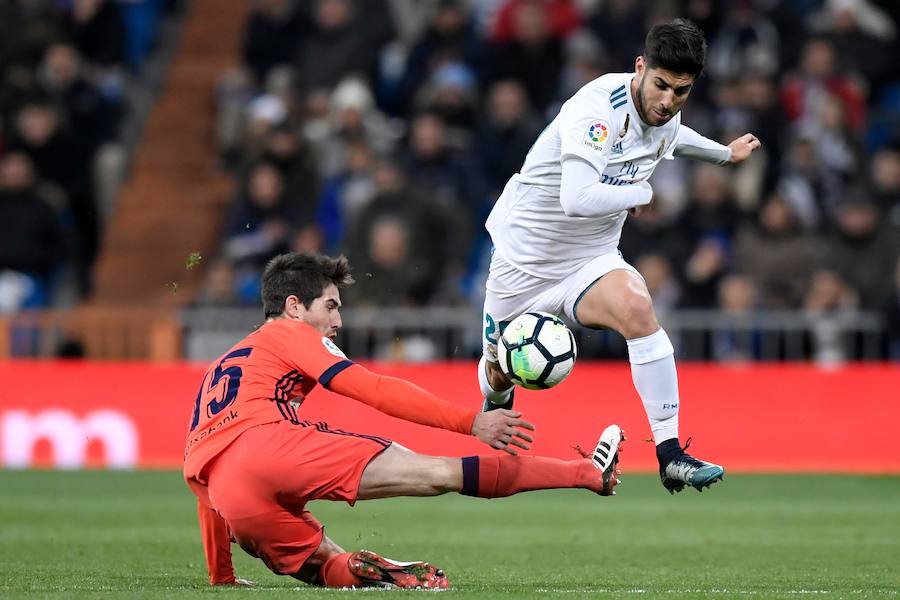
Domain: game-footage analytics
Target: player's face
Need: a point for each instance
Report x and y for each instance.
(324, 313)
(659, 94)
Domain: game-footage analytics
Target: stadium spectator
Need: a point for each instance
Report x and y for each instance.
(747, 41)
(271, 34)
(96, 30)
(393, 274)
(39, 133)
(284, 148)
(342, 43)
(531, 53)
(738, 341)
(561, 16)
(659, 275)
(829, 299)
(862, 249)
(308, 239)
(91, 118)
(812, 190)
(818, 76)
(838, 146)
(885, 180)
(777, 254)
(261, 219)
(404, 236)
(346, 115)
(32, 242)
(829, 293)
(507, 132)
(452, 93)
(454, 179)
(450, 37)
(862, 34)
(709, 221)
(759, 96)
(620, 25)
(219, 286)
(345, 195)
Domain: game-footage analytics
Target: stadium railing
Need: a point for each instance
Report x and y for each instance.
(434, 333)
(421, 334)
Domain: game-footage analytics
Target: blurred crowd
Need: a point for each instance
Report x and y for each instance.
(66, 68)
(385, 129)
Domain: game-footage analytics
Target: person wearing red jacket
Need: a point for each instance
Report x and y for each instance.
(254, 463)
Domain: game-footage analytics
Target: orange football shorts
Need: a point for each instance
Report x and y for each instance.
(261, 482)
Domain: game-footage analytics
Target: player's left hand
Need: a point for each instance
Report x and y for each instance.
(742, 147)
(238, 582)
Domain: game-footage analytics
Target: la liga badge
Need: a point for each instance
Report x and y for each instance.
(332, 347)
(596, 135)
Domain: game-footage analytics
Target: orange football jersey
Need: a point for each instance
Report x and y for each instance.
(263, 379)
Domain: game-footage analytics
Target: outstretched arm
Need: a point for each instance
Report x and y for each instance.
(399, 398)
(691, 144)
(216, 546)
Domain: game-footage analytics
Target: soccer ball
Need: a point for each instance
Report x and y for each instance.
(536, 350)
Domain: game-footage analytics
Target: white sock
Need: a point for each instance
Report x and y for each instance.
(655, 379)
(487, 391)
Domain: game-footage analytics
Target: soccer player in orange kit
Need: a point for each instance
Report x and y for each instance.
(253, 463)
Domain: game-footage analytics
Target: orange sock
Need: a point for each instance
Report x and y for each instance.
(501, 476)
(335, 572)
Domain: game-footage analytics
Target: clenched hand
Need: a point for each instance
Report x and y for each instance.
(742, 147)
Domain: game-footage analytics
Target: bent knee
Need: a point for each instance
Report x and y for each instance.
(636, 315)
(496, 377)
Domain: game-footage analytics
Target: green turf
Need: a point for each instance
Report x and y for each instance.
(134, 535)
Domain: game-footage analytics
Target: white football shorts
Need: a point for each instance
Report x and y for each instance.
(510, 292)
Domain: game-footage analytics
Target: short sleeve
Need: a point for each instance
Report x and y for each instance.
(587, 131)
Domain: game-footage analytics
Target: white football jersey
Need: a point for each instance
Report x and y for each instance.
(598, 124)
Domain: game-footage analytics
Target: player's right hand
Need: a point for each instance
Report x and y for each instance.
(502, 429)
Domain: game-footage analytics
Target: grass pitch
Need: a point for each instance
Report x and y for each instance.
(134, 535)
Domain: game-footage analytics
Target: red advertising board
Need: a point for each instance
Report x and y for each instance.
(749, 418)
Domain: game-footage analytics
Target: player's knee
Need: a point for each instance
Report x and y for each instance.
(637, 318)
(496, 377)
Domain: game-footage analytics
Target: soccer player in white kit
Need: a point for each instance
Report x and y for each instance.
(556, 227)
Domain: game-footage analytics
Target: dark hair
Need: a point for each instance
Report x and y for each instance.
(677, 46)
(303, 275)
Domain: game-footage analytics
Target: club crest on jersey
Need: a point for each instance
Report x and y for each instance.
(662, 146)
(625, 128)
(332, 347)
(596, 134)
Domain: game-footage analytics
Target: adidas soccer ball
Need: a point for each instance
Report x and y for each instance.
(536, 350)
